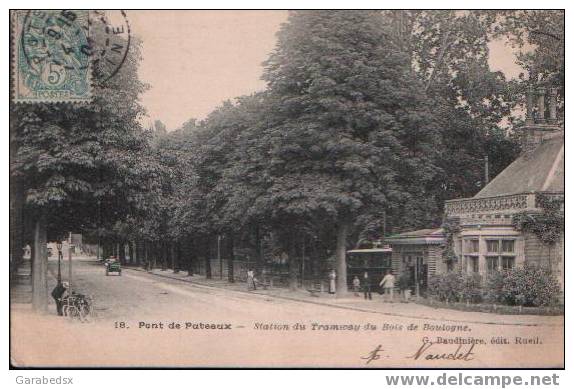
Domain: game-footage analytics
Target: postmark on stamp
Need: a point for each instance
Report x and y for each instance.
(109, 43)
(59, 55)
(49, 64)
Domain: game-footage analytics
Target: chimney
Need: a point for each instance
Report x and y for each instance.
(541, 120)
(541, 93)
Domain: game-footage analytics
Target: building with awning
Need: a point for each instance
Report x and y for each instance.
(418, 254)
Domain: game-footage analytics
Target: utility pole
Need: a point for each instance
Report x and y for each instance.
(60, 258)
(70, 262)
(303, 261)
(417, 287)
(219, 257)
(40, 267)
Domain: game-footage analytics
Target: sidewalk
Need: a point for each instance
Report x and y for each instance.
(353, 303)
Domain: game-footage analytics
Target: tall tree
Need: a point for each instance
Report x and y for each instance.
(354, 133)
(538, 36)
(80, 164)
(449, 53)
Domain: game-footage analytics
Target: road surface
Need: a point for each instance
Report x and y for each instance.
(146, 320)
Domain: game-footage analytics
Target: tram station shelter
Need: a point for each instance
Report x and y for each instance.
(419, 253)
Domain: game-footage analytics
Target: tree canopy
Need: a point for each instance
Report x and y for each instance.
(369, 121)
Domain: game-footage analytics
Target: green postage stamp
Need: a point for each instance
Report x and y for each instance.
(51, 58)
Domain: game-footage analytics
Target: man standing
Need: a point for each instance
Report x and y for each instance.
(332, 278)
(251, 280)
(356, 285)
(367, 286)
(59, 292)
(388, 284)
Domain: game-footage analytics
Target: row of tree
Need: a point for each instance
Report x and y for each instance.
(369, 121)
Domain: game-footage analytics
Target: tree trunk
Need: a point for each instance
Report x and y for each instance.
(341, 259)
(173, 254)
(258, 251)
(159, 255)
(163, 254)
(315, 260)
(40, 268)
(206, 257)
(191, 254)
(131, 252)
(112, 249)
(122, 252)
(184, 253)
(303, 268)
(167, 251)
(137, 252)
(177, 257)
(16, 224)
(443, 49)
(147, 259)
(293, 263)
(230, 258)
(154, 255)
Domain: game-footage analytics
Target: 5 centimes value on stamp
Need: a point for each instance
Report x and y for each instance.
(60, 55)
(49, 62)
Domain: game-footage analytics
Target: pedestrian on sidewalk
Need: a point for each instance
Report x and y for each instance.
(367, 286)
(251, 280)
(332, 278)
(356, 285)
(388, 285)
(58, 294)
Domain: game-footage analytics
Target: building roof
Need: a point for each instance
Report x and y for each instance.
(425, 236)
(539, 170)
(377, 250)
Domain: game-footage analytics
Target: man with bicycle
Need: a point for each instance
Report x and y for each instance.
(58, 294)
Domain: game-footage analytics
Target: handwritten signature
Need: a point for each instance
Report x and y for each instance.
(428, 351)
(460, 354)
(373, 355)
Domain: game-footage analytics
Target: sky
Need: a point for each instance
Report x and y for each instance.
(195, 60)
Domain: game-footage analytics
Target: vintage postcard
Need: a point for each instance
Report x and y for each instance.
(287, 189)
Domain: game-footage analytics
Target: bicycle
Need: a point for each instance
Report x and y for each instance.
(78, 306)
